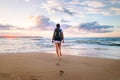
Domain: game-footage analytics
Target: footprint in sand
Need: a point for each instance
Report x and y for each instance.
(35, 77)
(57, 64)
(61, 72)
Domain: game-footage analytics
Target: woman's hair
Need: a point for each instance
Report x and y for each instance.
(58, 25)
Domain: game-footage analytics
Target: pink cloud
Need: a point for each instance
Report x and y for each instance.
(41, 22)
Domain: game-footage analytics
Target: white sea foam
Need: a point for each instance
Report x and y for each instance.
(92, 47)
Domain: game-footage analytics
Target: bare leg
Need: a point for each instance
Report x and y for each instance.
(56, 45)
(59, 45)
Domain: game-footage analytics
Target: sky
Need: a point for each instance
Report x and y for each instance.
(78, 18)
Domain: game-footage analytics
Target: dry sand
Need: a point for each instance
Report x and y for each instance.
(42, 66)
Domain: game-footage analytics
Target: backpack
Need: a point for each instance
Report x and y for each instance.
(58, 34)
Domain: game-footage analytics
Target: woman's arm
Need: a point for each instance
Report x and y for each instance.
(63, 37)
(53, 36)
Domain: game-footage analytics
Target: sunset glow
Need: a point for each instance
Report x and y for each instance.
(78, 18)
(10, 36)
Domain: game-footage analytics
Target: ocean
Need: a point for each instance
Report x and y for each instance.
(89, 47)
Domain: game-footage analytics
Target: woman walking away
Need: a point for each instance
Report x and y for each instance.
(58, 38)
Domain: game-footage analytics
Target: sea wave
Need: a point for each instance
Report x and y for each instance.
(100, 42)
(87, 41)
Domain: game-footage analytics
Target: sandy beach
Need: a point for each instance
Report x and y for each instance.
(42, 66)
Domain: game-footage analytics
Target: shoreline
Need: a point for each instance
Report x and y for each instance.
(54, 53)
(42, 66)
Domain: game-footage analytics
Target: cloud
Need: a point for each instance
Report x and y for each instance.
(116, 10)
(11, 27)
(41, 22)
(94, 4)
(94, 27)
(63, 10)
(86, 28)
(98, 7)
(56, 6)
(73, 8)
(68, 11)
(62, 20)
(6, 27)
(81, 7)
(27, 0)
(114, 2)
(51, 5)
(66, 26)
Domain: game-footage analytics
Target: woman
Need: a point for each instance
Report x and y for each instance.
(57, 38)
